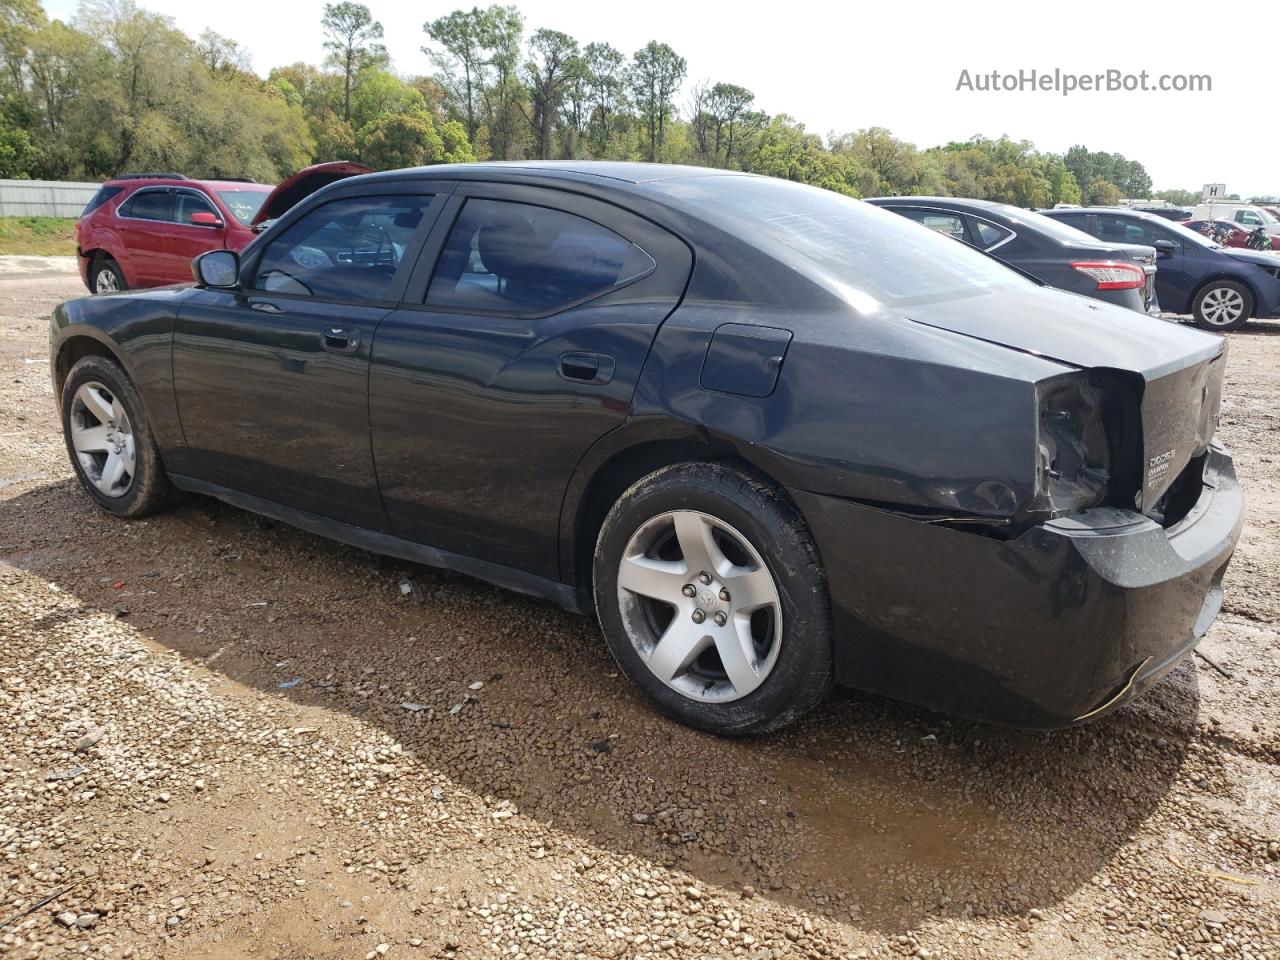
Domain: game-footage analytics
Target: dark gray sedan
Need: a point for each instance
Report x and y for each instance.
(774, 438)
(1052, 252)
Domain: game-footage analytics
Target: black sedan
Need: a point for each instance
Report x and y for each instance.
(1052, 252)
(771, 436)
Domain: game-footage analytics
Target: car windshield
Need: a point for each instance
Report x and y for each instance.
(869, 252)
(1062, 232)
(244, 204)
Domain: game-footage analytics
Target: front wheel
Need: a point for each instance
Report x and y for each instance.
(1222, 305)
(713, 601)
(109, 440)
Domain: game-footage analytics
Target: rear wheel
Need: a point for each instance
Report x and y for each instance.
(712, 599)
(109, 440)
(1223, 305)
(106, 276)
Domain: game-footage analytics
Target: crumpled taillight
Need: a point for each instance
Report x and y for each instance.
(1074, 453)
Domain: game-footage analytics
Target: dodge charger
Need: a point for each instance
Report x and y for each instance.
(772, 437)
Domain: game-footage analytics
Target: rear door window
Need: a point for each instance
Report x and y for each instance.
(949, 224)
(508, 257)
(149, 205)
(988, 234)
(348, 249)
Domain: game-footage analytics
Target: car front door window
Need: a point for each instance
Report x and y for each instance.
(348, 249)
(188, 203)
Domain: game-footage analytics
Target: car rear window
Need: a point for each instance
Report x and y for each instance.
(99, 198)
(867, 250)
(244, 204)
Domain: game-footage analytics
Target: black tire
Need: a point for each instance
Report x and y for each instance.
(801, 675)
(1202, 308)
(106, 276)
(148, 487)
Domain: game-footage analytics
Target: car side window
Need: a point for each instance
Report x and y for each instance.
(508, 257)
(1248, 218)
(1078, 220)
(952, 224)
(346, 249)
(149, 205)
(988, 233)
(1121, 230)
(185, 204)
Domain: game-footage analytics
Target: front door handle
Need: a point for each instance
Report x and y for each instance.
(341, 339)
(586, 367)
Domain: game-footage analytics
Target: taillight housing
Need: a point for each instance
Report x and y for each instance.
(1113, 274)
(1074, 452)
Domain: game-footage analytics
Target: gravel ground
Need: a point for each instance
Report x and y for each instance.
(226, 738)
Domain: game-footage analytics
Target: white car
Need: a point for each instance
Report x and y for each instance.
(1244, 215)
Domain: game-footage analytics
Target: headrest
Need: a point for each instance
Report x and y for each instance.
(510, 247)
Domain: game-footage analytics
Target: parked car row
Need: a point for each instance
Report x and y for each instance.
(1131, 258)
(772, 437)
(1221, 288)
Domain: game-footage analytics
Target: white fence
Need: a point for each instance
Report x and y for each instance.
(44, 198)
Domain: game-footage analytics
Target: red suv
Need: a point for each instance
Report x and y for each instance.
(144, 229)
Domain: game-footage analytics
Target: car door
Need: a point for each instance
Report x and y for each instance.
(519, 344)
(271, 378)
(143, 220)
(1174, 273)
(187, 240)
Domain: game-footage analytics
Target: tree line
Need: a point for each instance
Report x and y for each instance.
(121, 88)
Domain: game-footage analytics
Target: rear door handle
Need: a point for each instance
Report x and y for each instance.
(264, 306)
(586, 367)
(341, 339)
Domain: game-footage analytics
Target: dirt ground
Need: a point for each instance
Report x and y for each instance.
(224, 738)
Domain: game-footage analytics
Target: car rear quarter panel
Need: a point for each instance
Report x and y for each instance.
(871, 408)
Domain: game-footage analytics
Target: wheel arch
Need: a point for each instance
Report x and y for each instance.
(621, 458)
(1215, 278)
(75, 348)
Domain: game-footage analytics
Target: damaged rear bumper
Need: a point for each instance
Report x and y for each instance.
(1062, 624)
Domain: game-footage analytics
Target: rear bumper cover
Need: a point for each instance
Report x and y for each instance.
(1060, 625)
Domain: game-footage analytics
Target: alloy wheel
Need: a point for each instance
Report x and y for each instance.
(102, 438)
(700, 606)
(1222, 306)
(105, 281)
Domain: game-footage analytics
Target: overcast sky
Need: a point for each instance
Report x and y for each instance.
(897, 64)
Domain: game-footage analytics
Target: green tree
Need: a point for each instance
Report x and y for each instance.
(1179, 198)
(605, 73)
(350, 33)
(552, 64)
(1103, 193)
(656, 74)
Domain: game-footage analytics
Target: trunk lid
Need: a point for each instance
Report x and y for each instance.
(304, 183)
(1181, 368)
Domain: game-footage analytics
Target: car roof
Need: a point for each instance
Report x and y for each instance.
(626, 172)
(1143, 214)
(960, 202)
(188, 182)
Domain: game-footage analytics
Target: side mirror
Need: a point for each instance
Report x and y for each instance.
(1165, 249)
(219, 269)
(205, 219)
